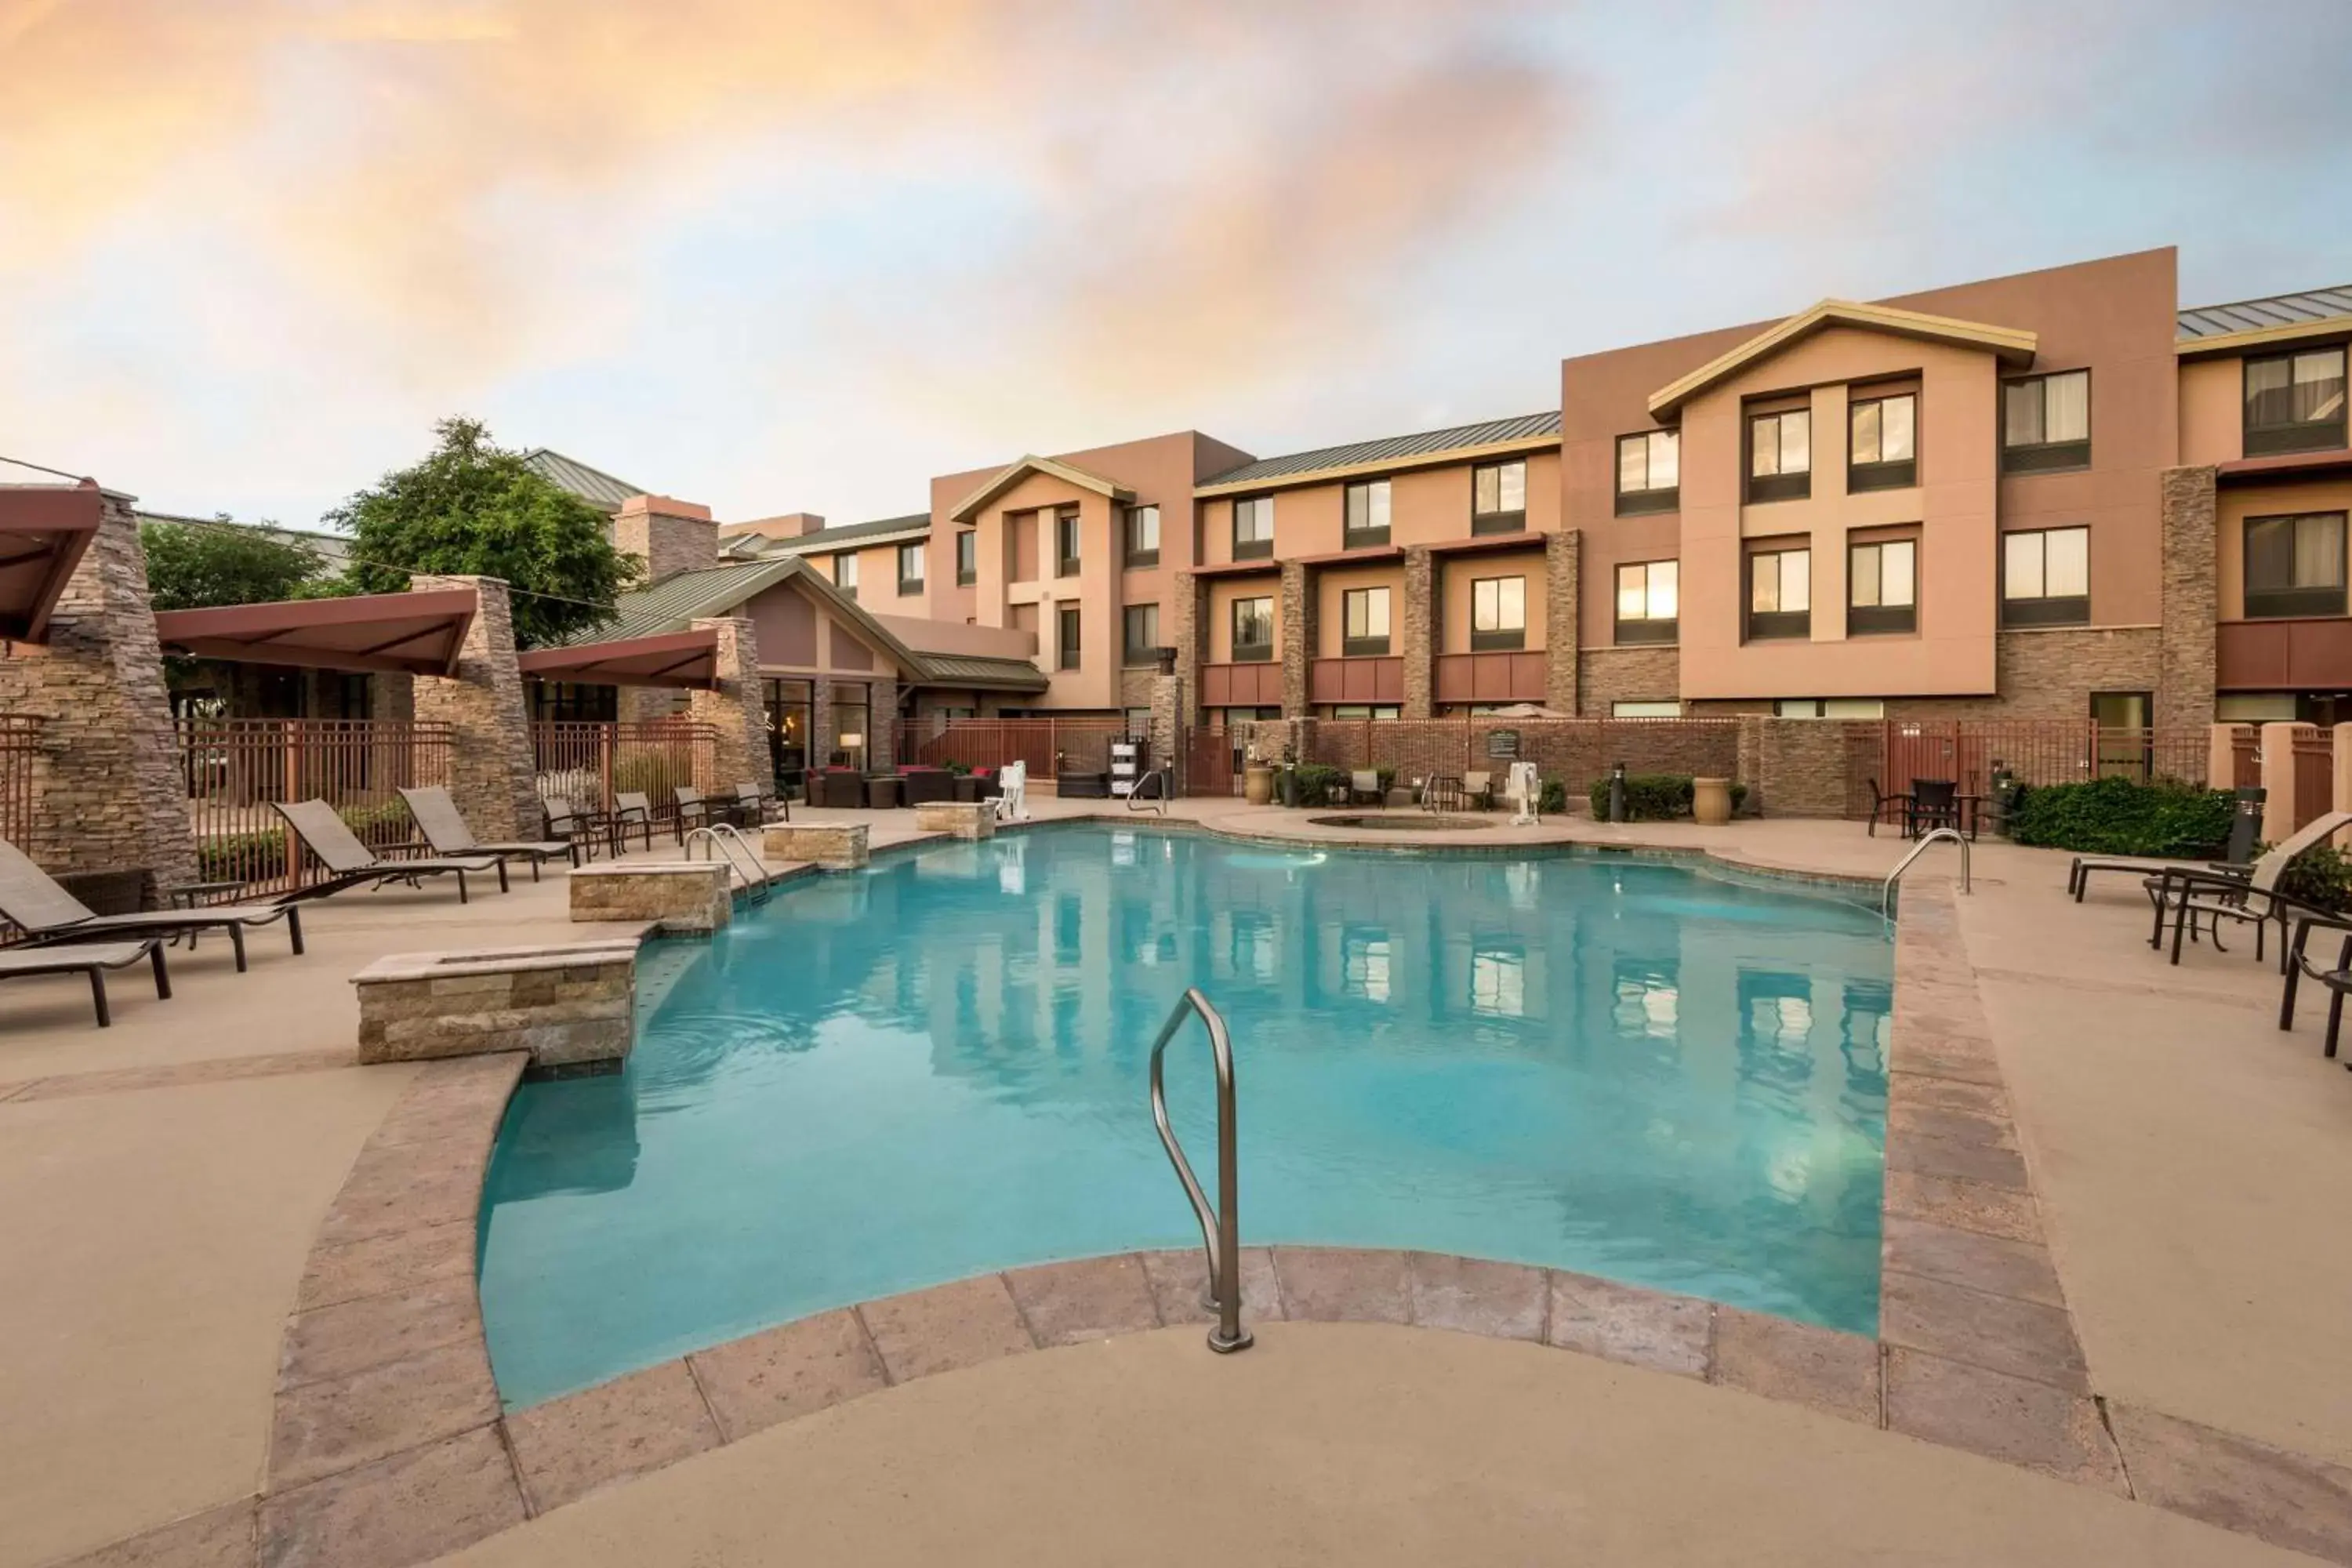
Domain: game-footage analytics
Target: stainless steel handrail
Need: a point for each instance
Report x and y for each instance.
(1886, 893)
(1158, 801)
(755, 878)
(1221, 1227)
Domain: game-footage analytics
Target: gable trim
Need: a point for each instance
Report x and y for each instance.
(2013, 346)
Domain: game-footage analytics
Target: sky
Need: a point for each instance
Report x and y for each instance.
(804, 255)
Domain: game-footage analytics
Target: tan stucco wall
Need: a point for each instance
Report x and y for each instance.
(1456, 574)
(1426, 506)
(1330, 616)
(2232, 508)
(798, 637)
(2213, 411)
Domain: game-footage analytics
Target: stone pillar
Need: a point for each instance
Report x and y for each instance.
(819, 745)
(666, 536)
(391, 696)
(737, 710)
(2188, 535)
(1297, 612)
(1563, 567)
(109, 795)
(882, 725)
(2278, 781)
(491, 775)
(1420, 610)
(1167, 720)
(1184, 633)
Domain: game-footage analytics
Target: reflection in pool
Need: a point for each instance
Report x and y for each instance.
(884, 1080)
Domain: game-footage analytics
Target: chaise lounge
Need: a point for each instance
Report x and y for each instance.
(444, 827)
(352, 864)
(2187, 892)
(50, 915)
(93, 959)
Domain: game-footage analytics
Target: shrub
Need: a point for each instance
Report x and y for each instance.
(2321, 877)
(1552, 797)
(2123, 817)
(1316, 781)
(1653, 797)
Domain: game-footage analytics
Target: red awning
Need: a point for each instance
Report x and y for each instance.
(407, 634)
(44, 529)
(688, 659)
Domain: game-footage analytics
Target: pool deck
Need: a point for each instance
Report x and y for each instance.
(164, 1183)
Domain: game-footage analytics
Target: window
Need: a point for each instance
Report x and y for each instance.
(1367, 711)
(555, 701)
(1365, 612)
(2045, 577)
(1143, 536)
(788, 704)
(1881, 587)
(1881, 443)
(1649, 472)
(1828, 708)
(1780, 456)
(1254, 528)
(852, 711)
(1647, 593)
(910, 568)
(1367, 514)
(1498, 496)
(2294, 403)
(1253, 630)
(1779, 593)
(967, 557)
(1645, 709)
(1498, 614)
(845, 573)
(2294, 565)
(1066, 543)
(2045, 423)
(1066, 639)
(1142, 634)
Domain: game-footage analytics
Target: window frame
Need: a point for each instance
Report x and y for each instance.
(1884, 473)
(1366, 644)
(1136, 555)
(2294, 603)
(1369, 536)
(1069, 636)
(1498, 638)
(1129, 648)
(1502, 520)
(1881, 619)
(1647, 629)
(844, 573)
(1252, 549)
(1651, 498)
(2295, 436)
(2045, 609)
(1780, 484)
(913, 584)
(967, 558)
(2044, 456)
(1775, 626)
(1068, 539)
(1252, 652)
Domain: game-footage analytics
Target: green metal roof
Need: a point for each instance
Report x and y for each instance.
(1393, 448)
(595, 486)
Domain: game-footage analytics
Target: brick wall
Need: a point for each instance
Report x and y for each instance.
(1298, 628)
(2185, 656)
(1796, 767)
(1610, 674)
(1420, 632)
(1562, 563)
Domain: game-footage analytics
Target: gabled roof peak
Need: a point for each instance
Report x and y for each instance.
(2014, 346)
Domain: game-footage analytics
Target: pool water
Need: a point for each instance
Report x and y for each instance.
(1654, 1072)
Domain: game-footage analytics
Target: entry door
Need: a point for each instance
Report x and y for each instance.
(2122, 718)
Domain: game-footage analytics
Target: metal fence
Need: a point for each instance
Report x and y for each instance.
(233, 768)
(587, 763)
(2246, 757)
(1049, 746)
(2315, 772)
(20, 754)
(1968, 753)
(1575, 751)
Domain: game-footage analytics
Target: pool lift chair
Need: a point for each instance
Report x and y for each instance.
(1013, 805)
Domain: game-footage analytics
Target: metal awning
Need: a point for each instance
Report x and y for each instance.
(418, 633)
(688, 659)
(43, 529)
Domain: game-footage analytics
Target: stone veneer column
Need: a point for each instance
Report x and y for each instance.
(737, 710)
(2188, 535)
(109, 795)
(1420, 630)
(491, 774)
(1167, 720)
(1563, 567)
(882, 725)
(819, 744)
(1297, 612)
(1184, 635)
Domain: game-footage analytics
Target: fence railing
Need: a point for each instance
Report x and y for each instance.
(1899, 752)
(233, 768)
(1048, 746)
(2246, 757)
(587, 763)
(2315, 772)
(20, 754)
(1576, 751)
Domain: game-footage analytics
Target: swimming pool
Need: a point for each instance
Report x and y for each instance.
(1656, 1072)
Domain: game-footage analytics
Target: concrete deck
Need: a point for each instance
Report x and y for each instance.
(167, 1177)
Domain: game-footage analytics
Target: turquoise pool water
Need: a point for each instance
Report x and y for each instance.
(1648, 1071)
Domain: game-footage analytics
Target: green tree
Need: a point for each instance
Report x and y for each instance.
(196, 566)
(475, 509)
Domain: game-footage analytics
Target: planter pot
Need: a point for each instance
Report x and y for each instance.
(1711, 802)
(1257, 785)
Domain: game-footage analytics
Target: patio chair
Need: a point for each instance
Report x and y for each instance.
(2188, 892)
(2338, 980)
(1365, 784)
(693, 811)
(1934, 802)
(1891, 809)
(1478, 791)
(632, 808)
(567, 824)
(94, 960)
(2237, 856)
(444, 827)
(755, 803)
(49, 915)
(836, 789)
(352, 864)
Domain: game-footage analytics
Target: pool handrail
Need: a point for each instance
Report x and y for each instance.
(725, 838)
(1221, 1227)
(1951, 834)
(1139, 801)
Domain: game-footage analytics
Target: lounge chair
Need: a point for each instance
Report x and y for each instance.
(352, 864)
(444, 827)
(567, 824)
(691, 811)
(630, 809)
(755, 803)
(1365, 783)
(93, 960)
(1478, 791)
(50, 915)
(2237, 856)
(2187, 892)
(2338, 980)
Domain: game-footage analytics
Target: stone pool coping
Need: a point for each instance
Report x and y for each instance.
(389, 1445)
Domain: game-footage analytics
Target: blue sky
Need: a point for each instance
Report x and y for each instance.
(778, 255)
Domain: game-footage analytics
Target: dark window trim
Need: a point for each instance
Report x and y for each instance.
(1253, 653)
(1066, 649)
(1767, 625)
(1649, 629)
(1253, 549)
(2289, 603)
(1140, 559)
(1130, 558)
(1363, 539)
(1881, 620)
(1132, 654)
(1759, 487)
(910, 586)
(1351, 538)
(1499, 522)
(1513, 521)
(1779, 487)
(1656, 499)
(1642, 503)
(2072, 610)
(1899, 475)
(2046, 457)
(1364, 647)
(2299, 436)
(966, 576)
(1505, 641)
